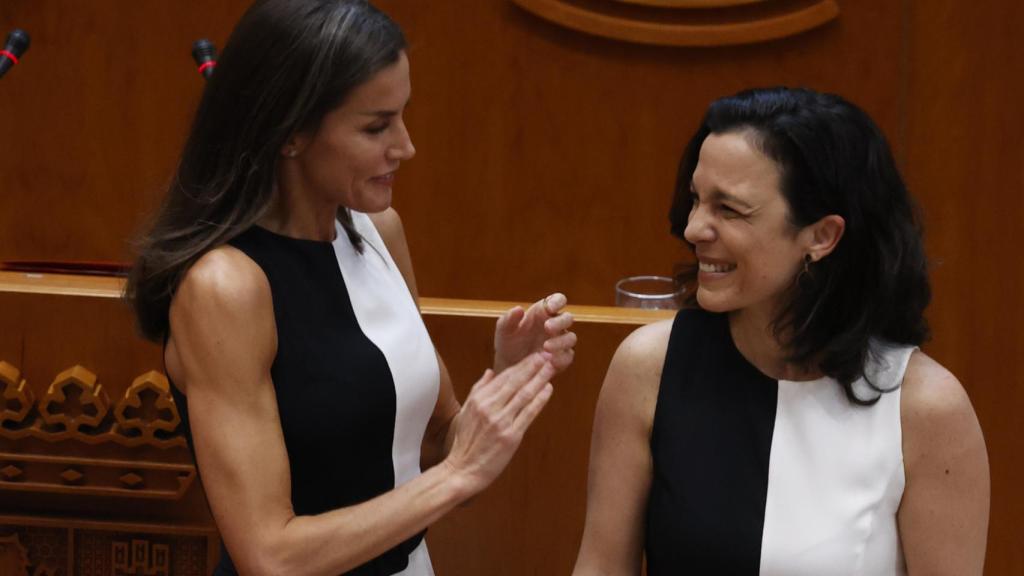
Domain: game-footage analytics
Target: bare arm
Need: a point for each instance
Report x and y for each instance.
(222, 345)
(943, 518)
(620, 456)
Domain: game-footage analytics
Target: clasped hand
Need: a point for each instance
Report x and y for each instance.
(496, 414)
(530, 347)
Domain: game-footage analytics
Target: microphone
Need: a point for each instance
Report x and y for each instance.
(205, 55)
(17, 42)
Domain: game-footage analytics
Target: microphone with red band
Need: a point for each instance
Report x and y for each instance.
(205, 55)
(17, 42)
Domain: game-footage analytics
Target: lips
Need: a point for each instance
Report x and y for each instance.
(715, 268)
(386, 178)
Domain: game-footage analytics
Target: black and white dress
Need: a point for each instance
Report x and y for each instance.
(356, 376)
(756, 476)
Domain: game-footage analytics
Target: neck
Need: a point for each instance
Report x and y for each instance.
(297, 214)
(754, 337)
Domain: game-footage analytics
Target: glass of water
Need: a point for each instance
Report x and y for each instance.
(649, 293)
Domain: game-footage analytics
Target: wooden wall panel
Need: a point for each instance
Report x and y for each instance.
(68, 497)
(547, 157)
(965, 162)
(531, 520)
(92, 120)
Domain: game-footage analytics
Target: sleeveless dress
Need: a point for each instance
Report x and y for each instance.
(356, 376)
(756, 476)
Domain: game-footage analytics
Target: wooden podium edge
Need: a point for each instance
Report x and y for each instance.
(112, 287)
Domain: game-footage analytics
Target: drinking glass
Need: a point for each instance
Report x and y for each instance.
(649, 293)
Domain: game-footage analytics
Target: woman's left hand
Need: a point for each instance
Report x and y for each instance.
(542, 327)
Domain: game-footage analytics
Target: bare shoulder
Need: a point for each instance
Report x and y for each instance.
(222, 281)
(634, 375)
(643, 351)
(222, 320)
(389, 225)
(936, 413)
(931, 394)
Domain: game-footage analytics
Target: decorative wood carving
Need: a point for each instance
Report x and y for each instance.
(102, 549)
(76, 407)
(140, 558)
(74, 401)
(13, 556)
(16, 397)
(95, 476)
(685, 22)
(147, 410)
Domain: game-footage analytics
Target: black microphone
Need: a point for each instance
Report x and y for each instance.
(17, 42)
(205, 55)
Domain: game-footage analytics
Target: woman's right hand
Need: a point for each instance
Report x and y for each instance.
(491, 423)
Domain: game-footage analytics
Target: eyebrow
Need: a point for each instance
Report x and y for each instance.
(386, 113)
(380, 113)
(721, 195)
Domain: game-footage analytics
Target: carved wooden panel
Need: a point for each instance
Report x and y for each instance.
(76, 406)
(17, 397)
(76, 410)
(32, 548)
(686, 22)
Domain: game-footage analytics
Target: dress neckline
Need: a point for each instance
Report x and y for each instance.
(300, 241)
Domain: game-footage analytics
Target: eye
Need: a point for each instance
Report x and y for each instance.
(376, 128)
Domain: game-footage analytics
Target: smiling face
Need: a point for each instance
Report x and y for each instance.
(747, 249)
(352, 156)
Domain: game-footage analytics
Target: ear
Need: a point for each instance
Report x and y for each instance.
(823, 236)
(295, 145)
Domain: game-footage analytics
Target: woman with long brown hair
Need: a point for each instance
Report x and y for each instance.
(278, 278)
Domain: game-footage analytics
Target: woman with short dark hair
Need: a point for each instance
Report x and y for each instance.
(278, 279)
(787, 423)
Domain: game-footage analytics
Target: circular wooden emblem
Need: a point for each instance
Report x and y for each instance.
(686, 22)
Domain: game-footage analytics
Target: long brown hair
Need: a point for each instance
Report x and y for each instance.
(285, 66)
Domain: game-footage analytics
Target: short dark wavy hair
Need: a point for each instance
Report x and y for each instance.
(833, 160)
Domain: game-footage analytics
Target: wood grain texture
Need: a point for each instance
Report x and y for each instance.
(691, 3)
(965, 163)
(113, 288)
(530, 520)
(655, 31)
(547, 158)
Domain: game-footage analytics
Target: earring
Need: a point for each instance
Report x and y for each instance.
(291, 153)
(805, 277)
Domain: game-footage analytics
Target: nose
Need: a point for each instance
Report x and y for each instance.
(698, 228)
(402, 149)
